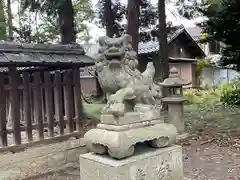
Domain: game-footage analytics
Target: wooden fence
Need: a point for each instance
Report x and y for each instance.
(39, 107)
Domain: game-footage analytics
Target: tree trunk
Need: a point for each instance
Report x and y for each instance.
(66, 19)
(162, 64)
(10, 24)
(133, 22)
(109, 20)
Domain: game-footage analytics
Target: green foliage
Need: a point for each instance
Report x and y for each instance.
(30, 31)
(230, 93)
(222, 25)
(201, 65)
(3, 32)
(51, 7)
(204, 36)
(39, 22)
(148, 17)
(208, 97)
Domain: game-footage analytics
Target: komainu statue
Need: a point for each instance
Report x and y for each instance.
(132, 112)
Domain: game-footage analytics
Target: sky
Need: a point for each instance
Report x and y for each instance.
(171, 15)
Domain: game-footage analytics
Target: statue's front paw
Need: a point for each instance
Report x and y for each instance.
(117, 109)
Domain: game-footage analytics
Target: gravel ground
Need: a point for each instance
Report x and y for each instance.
(211, 153)
(202, 161)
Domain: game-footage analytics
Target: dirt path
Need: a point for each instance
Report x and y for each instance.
(211, 162)
(202, 161)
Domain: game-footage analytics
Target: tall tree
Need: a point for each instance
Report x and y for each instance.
(3, 31)
(222, 24)
(111, 13)
(162, 64)
(133, 10)
(10, 18)
(108, 16)
(63, 9)
(148, 16)
(66, 21)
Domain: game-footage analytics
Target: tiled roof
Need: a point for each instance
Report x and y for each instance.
(153, 45)
(148, 46)
(42, 54)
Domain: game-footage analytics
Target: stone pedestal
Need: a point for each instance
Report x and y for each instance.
(176, 112)
(117, 136)
(146, 164)
(176, 115)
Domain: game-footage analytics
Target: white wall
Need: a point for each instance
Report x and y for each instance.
(214, 77)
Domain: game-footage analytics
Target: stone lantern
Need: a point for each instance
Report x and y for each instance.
(175, 100)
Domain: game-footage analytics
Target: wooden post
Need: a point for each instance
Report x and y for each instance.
(21, 105)
(27, 105)
(68, 100)
(32, 100)
(15, 104)
(3, 118)
(77, 98)
(58, 101)
(38, 104)
(49, 102)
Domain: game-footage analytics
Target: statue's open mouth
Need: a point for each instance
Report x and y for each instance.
(114, 59)
(113, 56)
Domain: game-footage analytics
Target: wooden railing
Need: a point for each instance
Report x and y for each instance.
(39, 107)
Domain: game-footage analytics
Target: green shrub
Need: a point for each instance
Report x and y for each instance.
(203, 97)
(191, 96)
(230, 93)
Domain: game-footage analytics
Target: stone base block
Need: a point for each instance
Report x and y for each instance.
(146, 164)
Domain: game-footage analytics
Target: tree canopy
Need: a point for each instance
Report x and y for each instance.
(223, 25)
(38, 21)
(148, 19)
(64, 17)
